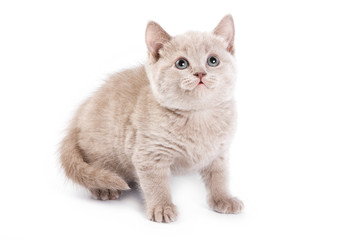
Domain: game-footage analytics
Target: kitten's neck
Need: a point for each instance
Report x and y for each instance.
(187, 113)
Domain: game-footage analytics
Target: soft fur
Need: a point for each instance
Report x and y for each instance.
(148, 122)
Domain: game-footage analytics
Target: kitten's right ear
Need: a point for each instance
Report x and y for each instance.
(155, 37)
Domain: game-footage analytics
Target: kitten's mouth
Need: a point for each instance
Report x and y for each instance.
(191, 84)
(201, 83)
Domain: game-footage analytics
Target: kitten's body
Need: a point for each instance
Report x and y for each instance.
(133, 129)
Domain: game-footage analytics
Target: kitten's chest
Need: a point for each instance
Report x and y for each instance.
(201, 138)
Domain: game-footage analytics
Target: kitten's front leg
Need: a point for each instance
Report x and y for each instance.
(215, 178)
(154, 173)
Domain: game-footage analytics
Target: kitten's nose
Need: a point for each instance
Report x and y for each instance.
(200, 75)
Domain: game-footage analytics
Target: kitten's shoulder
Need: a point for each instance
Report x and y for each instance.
(135, 78)
(124, 85)
(120, 91)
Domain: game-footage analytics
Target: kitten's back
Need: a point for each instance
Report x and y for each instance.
(121, 88)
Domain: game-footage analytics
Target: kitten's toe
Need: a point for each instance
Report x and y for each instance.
(114, 194)
(163, 213)
(226, 205)
(105, 194)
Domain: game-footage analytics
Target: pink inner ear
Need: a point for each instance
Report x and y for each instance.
(157, 47)
(228, 32)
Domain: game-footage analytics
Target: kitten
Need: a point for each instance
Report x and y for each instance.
(176, 114)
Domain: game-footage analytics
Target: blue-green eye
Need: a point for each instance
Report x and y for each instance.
(213, 61)
(182, 63)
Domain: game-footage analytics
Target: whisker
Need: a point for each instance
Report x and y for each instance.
(210, 81)
(188, 83)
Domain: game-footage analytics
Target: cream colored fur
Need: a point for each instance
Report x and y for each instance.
(147, 123)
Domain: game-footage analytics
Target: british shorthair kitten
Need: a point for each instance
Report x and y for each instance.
(175, 114)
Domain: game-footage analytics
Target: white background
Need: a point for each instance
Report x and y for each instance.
(295, 158)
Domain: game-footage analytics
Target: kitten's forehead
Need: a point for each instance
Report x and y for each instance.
(195, 43)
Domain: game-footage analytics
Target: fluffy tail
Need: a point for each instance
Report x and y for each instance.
(82, 172)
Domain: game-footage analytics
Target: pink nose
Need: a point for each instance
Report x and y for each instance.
(200, 75)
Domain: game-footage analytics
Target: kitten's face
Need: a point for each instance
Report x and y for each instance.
(192, 71)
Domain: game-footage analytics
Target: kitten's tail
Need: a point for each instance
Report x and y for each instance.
(82, 172)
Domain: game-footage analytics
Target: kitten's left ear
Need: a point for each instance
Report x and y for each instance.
(155, 37)
(226, 30)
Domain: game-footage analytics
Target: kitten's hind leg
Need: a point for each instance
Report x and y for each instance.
(105, 194)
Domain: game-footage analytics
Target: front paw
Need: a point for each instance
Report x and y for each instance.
(226, 205)
(162, 213)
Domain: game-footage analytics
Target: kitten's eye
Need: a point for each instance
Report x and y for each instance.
(181, 63)
(213, 61)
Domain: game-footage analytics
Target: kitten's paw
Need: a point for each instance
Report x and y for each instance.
(105, 194)
(163, 213)
(226, 205)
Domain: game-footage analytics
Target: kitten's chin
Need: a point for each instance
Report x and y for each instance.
(201, 92)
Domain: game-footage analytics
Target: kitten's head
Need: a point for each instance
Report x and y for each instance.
(192, 71)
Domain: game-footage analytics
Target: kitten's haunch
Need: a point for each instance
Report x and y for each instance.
(175, 114)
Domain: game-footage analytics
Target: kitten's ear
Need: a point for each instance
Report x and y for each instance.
(226, 30)
(155, 37)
